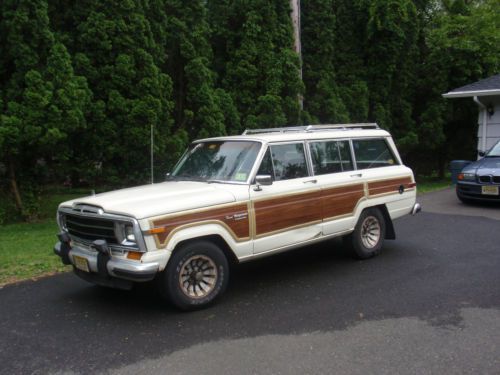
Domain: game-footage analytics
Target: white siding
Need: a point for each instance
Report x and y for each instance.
(492, 124)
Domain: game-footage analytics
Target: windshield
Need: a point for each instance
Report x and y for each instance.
(495, 151)
(217, 161)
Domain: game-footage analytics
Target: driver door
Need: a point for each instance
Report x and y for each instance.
(287, 212)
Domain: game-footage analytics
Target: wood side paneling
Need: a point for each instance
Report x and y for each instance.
(226, 215)
(279, 213)
(389, 186)
(282, 213)
(341, 200)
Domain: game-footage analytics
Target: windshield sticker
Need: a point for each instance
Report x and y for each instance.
(240, 177)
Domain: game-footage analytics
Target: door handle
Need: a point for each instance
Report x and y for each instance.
(310, 181)
(357, 175)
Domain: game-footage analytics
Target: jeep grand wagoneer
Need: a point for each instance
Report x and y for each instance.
(238, 198)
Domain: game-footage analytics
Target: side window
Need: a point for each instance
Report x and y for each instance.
(373, 153)
(331, 157)
(289, 161)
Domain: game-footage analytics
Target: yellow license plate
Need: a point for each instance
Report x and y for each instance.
(489, 190)
(81, 263)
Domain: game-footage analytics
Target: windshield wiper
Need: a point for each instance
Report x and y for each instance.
(185, 178)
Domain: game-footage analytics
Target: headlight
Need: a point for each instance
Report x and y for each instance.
(129, 233)
(467, 176)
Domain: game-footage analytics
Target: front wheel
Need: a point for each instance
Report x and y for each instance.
(195, 275)
(368, 237)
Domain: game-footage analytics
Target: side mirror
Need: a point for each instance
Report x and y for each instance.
(264, 180)
(167, 176)
(481, 153)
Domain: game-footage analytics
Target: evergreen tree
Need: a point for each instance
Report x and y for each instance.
(462, 45)
(349, 59)
(115, 49)
(43, 101)
(255, 60)
(392, 35)
(322, 99)
(198, 112)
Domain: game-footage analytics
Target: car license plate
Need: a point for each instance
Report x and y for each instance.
(489, 190)
(81, 263)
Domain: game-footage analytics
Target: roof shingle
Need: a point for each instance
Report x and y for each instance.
(491, 83)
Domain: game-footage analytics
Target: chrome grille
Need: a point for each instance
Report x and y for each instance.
(496, 179)
(89, 228)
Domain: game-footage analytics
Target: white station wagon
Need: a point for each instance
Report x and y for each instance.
(234, 199)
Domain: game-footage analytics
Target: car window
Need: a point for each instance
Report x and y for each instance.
(495, 151)
(288, 161)
(373, 153)
(331, 157)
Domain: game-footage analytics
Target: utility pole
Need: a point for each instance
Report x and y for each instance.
(152, 155)
(295, 5)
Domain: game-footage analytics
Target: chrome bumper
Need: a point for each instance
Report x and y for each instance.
(111, 267)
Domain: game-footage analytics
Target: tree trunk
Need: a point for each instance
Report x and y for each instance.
(297, 43)
(14, 187)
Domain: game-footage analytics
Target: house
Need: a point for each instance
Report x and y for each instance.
(486, 93)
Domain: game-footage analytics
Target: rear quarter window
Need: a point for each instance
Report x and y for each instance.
(373, 153)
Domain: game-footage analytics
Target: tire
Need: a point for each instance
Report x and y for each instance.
(195, 276)
(368, 237)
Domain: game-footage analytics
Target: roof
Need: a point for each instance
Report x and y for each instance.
(485, 87)
(305, 133)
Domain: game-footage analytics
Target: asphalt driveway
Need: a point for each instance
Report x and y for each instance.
(429, 304)
(446, 202)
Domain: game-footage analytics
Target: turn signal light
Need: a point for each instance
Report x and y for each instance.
(460, 176)
(134, 255)
(157, 230)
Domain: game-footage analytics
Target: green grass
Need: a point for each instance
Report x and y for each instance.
(26, 251)
(427, 184)
(26, 248)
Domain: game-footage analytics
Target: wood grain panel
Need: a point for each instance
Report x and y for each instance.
(226, 215)
(389, 186)
(341, 200)
(279, 213)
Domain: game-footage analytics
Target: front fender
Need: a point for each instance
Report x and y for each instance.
(240, 247)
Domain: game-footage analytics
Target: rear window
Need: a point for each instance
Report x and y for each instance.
(373, 153)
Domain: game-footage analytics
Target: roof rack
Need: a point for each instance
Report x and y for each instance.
(312, 128)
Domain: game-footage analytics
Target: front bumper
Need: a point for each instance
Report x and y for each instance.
(104, 267)
(473, 191)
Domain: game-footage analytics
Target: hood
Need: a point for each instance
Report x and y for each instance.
(158, 199)
(484, 166)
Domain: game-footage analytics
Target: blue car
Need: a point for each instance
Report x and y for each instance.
(480, 181)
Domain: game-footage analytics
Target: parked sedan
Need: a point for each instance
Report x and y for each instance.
(481, 180)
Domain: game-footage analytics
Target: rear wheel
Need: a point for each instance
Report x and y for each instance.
(368, 237)
(195, 275)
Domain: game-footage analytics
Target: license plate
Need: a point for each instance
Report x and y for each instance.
(489, 190)
(81, 263)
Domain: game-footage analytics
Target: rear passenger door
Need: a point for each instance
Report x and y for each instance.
(287, 212)
(342, 187)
